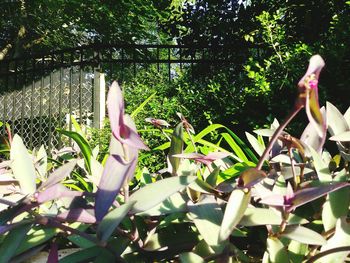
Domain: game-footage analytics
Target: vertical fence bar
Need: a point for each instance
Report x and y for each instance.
(22, 99)
(14, 88)
(60, 94)
(81, 88)
(49, 137)
(42, 72)
(6, 94)
(169, 64)
(99, 106)
(70, 104)
(32, 105)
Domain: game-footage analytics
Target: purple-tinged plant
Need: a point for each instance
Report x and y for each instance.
(121, 164)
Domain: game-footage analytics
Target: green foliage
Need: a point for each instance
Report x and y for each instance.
(217, 199)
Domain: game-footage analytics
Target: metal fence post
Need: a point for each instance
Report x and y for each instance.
(99, 100)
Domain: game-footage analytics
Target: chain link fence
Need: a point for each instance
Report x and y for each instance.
(39, 93)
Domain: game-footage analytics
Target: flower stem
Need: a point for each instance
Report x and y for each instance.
(276, 135)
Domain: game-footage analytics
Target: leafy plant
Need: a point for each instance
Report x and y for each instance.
(217, 200)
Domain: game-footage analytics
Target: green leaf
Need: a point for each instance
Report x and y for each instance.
(207, 216)
(213, 176)
(174, 204)
(77, 126)
(235, 208)
(41, 158)
(22, 166)
(276, 250)
(176, 147)
(112, 220)
(347, 115)
(335, 120)
(83, 145)
(258, 148)
(36, 238)
(322, 169)
(297, 251)
(85, 255)
(254, 216)
(142, 105)
(303, 235)
(341, 137)
(235, 147)
(105, 256)
(341, 237)
(190, 257)
(333, 209)
(12, 241)
(152, 194)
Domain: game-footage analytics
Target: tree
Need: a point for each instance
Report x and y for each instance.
(37, 25)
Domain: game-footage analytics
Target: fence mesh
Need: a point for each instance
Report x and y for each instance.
(39, 93)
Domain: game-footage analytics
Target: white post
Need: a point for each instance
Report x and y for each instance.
(99, 99)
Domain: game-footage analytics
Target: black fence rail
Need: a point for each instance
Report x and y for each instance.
(39, 93)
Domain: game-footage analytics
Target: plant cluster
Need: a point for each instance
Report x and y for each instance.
(216, 201)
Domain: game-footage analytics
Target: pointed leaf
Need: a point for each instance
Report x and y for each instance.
(56, 192)
(341, 137)
(152, 194)
(12, 241)
(254, 216)
(176, 203)
(336, 122)
(112, 220)
(85, 255)
(276, 250)
(213, 177)
(235, 209)
(341, 237)
(303, 235)
(321, 168)
(347, 116)
(36, 238)
(59, 175)
(258, 148)
(22, 166)
(190, 257)
(142, 105)
(235, 147)
(83, 145)
(76, 215)
(176, 147)
(309, 194)
(114, 175)
(121, 129)
(41, 159)
(333, 209)
(207, 216)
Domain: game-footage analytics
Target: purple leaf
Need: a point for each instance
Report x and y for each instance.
(301, 197)
(59, 174)
(115, 173)
(120, 130)
(77, 215)
(158, 122)
(309, 194)
(55, 192)
(315, 66)
(308, 96)
(205, 159)
(53, 255)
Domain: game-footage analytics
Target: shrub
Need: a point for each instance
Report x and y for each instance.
(216, 201)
